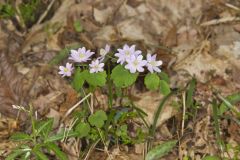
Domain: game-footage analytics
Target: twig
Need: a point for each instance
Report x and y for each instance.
(90, 106)
(67, 130)
(232, 6)
(76, 105)
(184, 111)
(18, 16)
(219, 21)
(46, 12)
(105, 145)
(91, 148)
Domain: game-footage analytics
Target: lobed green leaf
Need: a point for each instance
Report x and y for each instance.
(82, 129)
(152, 81)
(122, 77)
(97, 119)
(164, 87)
(95, 79)
(78, 79)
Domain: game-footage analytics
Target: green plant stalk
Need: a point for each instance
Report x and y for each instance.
(103, 140)
(110, 96)
(190, 92)
(33, 125)
(140, 113)
(156, 117)
(216, 125)
(111, 57)
(228, 104)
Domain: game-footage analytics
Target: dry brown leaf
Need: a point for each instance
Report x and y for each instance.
(201, 63)
(149, 103)
(13, 87)
(103, 15)
(131, 29)
(43, 104)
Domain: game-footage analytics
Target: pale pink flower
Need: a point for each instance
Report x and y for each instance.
(66, 70)
(80, 55)
(135, 63)
(96, 66)
(126, 53)
(104, 52)
(152, 64)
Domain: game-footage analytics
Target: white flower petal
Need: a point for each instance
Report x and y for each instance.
(133, 70)
(139, 58)
(101, 65)
(92, 70)
(158, 63)
(150, 68)
(125, 47)
(140, 69)
(157, 69)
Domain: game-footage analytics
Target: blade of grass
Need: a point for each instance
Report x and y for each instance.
(63, 54)
(216, 124)
(190, 93)
(156, 117)
(227, 102)
(141, 114)
(161, 150)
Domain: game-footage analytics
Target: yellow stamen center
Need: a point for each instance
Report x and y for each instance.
(153, 63)
(127, 53)
(81, 55)
(135, 63)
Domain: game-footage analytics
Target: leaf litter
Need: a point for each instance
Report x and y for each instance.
(195, 38)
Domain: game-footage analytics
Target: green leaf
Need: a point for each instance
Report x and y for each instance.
(21, 137)
(13, 155)
(39, 154)
(164, 77)
(228, 102)
(96, 79)
(216, 124)
(61, 155)
(63, 54)
(152, 81)
(211, 158)
(60, 136)
(44, 127)
(164, 87)
(82, 129)
(77, 26)
(122, 132)
(157, 113)
(29, 11)
(190, 92)
(122, 77)
(161, 150)
(78, 79)
(97, 119)
(6, 11)
(118, 91)
(26, 156)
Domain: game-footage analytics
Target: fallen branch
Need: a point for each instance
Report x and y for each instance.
(219, 21)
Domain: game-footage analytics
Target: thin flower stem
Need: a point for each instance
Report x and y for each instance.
(112, 57)
(110, 98)
(33, 125)
(80, 65)
(105, 145)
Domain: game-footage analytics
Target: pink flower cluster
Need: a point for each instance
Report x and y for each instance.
(82, 55)
(128, 56)
(134, 60)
